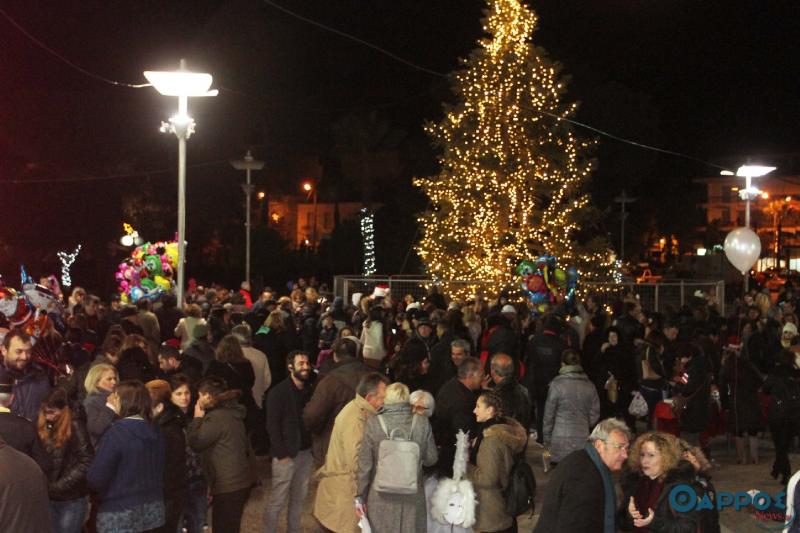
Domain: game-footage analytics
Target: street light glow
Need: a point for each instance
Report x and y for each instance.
(753, 171)
(181, 83)
(261, 195)
(307, 186)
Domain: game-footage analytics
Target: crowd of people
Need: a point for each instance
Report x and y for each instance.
(136, 417)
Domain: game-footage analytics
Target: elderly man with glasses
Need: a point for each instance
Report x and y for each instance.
(580, 495)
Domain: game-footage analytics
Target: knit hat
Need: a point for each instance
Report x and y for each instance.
(508, 309)
(790, 328)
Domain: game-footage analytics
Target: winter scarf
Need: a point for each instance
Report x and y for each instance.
(610, 508)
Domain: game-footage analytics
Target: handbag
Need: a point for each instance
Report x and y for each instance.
(681, 402)
(638, 406)
(612, 389)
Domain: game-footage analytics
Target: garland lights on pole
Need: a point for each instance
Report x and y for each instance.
(368, 238)
(67, 258)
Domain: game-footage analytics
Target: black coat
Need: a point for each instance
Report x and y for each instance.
(543, 361)
(516, 403)
(665, 518)
(20, 434)
(455, 404)
(442, 366)
(573, 498)
(172, 422)
(67, 479)
(783, 387)
(739, 382)
(696, 417)
(275, 346)
(284, 419)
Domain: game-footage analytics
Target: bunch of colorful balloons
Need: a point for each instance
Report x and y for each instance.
(546, 283)
(148, 272)
(28, 309)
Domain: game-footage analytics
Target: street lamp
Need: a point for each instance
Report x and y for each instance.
(247, 164)
(183, 84)
(311, 189)
(749, 193)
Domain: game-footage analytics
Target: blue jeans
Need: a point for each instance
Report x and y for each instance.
(68, 516)
(194, 510)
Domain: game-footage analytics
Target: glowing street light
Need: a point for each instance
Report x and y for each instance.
(310, 189)
(183, 84)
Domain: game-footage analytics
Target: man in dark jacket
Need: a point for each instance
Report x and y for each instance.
(442, 366)
(168, 316)
(200, 348)
(516, 403)
(31, 385)
(543, 361)
(455, 404)
(24, 502)
(19, 432)
(504, 339)
(332, 393)
(291, 443)
(171, 362)
(580, 494)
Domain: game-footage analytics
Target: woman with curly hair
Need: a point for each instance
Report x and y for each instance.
(655, 467)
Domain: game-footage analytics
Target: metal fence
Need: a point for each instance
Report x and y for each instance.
(659, 296)
(653, 296)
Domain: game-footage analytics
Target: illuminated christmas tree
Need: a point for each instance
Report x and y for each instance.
(512, 178)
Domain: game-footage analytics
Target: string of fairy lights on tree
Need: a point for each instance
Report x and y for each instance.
(511, 183)
(368, 240)
(67, 259)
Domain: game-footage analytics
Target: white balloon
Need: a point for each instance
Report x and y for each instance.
(742, 248)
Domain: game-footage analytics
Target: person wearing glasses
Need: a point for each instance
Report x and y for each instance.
(580, 494)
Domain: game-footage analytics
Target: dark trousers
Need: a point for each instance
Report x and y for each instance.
(541, 399)
(173, 510)
(227, 510)
(782, 433)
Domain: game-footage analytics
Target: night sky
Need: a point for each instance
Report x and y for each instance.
(712, 79)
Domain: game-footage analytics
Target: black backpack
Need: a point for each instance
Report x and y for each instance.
(520, 494)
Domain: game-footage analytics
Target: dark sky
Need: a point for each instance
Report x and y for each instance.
(709, 78)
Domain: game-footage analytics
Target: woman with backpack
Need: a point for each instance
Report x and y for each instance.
(783, 386)
(498, 442)
(389, 506)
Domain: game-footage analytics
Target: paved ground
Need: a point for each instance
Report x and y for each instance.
(727, 476)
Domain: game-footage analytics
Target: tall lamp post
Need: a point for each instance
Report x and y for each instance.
(748, 194)
(183, 84)
(311, 189)
(247, 164)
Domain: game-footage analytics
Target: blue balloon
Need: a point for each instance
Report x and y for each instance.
(136, 293)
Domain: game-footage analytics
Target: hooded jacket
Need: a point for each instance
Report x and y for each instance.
(491, 471)
(227, 457)
(128, 469)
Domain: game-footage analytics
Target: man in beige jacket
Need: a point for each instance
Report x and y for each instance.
(334, 503)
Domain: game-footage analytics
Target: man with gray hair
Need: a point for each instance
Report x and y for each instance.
(580, 494)
(454, 408)
(446, 355)
(516, 402)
